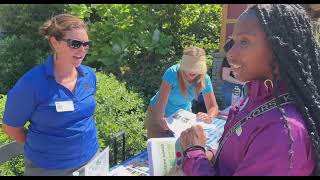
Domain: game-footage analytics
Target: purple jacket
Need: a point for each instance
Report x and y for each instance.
(262, 146)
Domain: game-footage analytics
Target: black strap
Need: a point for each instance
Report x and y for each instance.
(283, 100)
(193, 148)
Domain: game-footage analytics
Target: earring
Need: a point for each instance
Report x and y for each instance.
(266, 81)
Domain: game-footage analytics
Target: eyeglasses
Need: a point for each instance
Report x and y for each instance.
(76, 44)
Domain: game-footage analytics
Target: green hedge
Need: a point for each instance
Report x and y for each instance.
(22, 46)
(119, 110)
(15, 167)
(143, 40)
(3, 138)
(17, 55)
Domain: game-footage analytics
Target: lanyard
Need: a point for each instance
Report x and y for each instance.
(267, 106)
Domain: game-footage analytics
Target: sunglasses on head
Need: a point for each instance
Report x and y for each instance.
(76, 44)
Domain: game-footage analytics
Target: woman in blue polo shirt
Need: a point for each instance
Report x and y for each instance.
(57, 98)
(181, 83)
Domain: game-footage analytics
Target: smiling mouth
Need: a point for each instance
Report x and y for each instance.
(235, 67)
(78, 57)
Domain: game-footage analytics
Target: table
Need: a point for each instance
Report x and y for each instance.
(135, 166)
(139, 166)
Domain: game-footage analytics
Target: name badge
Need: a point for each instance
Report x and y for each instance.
(64, 106)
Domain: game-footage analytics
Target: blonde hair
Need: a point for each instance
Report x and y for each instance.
(200, 79)
(194, 51)
(58, 25)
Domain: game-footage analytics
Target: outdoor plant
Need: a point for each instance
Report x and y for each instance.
(15, 167)
(143, 40)
(119, 110)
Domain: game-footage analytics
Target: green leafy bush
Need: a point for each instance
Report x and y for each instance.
(22, 46)
(3, 138)
(17, 55)
(143, 40)
(119, 110)
(3, 99)
(15, 167)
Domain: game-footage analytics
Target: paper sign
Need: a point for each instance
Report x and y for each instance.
(99, 166)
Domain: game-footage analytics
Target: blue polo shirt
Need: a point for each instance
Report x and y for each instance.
(55, 140)
(176, 99)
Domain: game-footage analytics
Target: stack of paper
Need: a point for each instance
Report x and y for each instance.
(165, 156)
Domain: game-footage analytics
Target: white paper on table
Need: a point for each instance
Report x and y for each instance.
(182, 120)
(128, 171)
(99, 166)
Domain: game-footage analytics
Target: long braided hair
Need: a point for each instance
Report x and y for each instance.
(296, 52)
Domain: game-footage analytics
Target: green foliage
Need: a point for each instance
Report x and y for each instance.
(3, 138)
(122, 30)
(3, 99)
(143, 40)
(17, 55)
(25, 19)
(119, 110)
(22, 47)
(15, 167)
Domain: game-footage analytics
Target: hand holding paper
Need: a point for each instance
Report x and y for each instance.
(165, 154)
(204, 117)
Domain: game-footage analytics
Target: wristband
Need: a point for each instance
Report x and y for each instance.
(193, 148)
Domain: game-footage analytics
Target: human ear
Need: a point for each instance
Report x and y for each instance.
(54, 43)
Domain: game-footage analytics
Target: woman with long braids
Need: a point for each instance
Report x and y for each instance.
(275, 130)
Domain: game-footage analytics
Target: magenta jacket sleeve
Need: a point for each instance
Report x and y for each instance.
(197, 164)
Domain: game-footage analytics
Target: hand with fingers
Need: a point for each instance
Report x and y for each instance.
(163, 123)
(204, 117)
(193, 137)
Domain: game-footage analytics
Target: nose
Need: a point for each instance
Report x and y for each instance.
(83, 49)
(230, 55)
